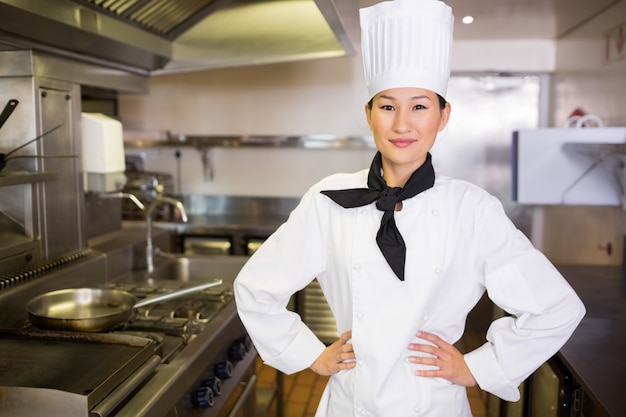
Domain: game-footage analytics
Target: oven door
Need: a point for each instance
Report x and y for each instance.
(243, 401)
(553, 392)
(207, 245)
(253, 244)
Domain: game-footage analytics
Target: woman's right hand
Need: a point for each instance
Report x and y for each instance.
(337, 357)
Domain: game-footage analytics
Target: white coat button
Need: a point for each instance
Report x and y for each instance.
(425, 318)
(437, 271)
(359, 315)
(363, 212)
(360, 362)
(435, 213)
(417, 409)
(357, 266)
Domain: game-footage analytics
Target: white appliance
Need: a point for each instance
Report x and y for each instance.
(569, 166)
(102, 153)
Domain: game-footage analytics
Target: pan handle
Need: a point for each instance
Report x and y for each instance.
(177, 293)
(8, 109)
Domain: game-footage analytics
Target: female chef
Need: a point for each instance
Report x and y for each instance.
(403, 255)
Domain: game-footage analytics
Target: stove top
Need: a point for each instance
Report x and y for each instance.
(174, 323)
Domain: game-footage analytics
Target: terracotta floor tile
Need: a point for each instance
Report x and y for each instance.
(301, 393)
(294, 408)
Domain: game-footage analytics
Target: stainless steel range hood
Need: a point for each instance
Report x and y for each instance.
(156, 36)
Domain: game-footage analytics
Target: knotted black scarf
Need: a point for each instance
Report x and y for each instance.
(388, 238)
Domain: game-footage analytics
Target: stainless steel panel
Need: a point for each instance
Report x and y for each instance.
(26, 63)
(64, 27)
(85, 368)
(164, 18)
(61, 200)
(142, 36)
(18, 187)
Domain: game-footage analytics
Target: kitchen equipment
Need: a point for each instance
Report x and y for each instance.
(583, 164)
(553, 391)
(8, 109)
(205, 363)
(103, 153)
(23, 351)
(93, 309)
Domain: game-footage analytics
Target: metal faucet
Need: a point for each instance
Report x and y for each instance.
(130, 196)
(153, 205)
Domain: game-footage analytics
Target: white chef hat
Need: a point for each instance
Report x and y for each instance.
(407, 43)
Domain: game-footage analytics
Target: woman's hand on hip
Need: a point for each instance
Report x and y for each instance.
(444, 356)
(337, 357)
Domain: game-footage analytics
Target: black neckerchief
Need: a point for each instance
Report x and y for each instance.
(388, 238)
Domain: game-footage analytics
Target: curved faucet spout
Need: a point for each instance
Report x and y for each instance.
(149, 213)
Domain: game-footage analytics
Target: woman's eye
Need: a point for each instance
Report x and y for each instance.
(419, 107)
(386, 107)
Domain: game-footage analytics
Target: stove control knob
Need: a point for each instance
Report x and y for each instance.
(214, 383)
(237, 351)
(247, 342)
(224, 370)
(204, 397)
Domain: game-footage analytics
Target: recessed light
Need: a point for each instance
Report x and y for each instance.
(467, 19)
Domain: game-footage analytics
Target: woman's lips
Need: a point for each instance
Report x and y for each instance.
(402, 143)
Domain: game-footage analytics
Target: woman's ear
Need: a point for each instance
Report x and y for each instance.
(368, 115)
(445, 116)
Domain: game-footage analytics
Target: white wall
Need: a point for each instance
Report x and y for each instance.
(278, 172)
(311, 97)
(321, 96)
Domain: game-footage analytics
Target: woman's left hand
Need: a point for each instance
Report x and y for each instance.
(444, 356)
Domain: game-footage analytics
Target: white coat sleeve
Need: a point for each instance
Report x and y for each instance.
(543, 310)
(286, 262)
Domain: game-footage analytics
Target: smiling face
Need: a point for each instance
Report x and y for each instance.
(405, 123)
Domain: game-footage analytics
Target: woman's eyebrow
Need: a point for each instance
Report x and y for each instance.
(420, 97)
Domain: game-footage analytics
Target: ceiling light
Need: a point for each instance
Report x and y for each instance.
(467, 20)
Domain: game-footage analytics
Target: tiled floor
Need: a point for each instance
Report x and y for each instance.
(303, 390)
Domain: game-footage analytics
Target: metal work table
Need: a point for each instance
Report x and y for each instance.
(595, 352)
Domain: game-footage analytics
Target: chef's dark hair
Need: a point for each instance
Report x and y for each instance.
(442, 102)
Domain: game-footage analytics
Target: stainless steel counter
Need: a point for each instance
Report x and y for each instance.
(595, 352)
(215, 224)
(233, 218)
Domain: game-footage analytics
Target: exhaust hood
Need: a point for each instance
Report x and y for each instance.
(161, 36)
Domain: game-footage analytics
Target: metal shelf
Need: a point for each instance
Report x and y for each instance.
(25, 177)
(304, 142)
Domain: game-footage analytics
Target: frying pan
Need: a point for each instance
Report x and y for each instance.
(93, 309)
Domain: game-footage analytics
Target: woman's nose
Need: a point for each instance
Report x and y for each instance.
(402, 121)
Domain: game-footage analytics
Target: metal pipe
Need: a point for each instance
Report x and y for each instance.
(151, 208)
(130, 196)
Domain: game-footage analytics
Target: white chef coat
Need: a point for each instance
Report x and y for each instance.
(459, 244)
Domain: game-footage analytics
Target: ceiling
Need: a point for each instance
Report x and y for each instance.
(229, 33)
(520, 19)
